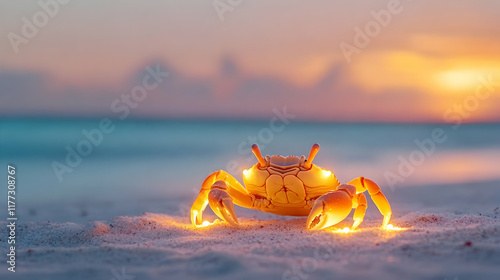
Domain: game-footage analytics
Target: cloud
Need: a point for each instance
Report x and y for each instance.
(227, 94)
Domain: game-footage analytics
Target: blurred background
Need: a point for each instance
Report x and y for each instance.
(188, 86)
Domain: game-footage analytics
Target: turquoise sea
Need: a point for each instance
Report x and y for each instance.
(158, 165)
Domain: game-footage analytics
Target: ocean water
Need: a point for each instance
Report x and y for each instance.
(145, 165)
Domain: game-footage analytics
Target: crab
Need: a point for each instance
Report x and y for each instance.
(289, 186)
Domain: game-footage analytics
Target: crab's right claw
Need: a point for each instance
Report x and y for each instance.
(222, 205)
(329, 209)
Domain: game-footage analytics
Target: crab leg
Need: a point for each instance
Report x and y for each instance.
(359, 202)
(377, 196)
(220, 190)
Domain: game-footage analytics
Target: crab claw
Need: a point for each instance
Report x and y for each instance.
(329, 209)
(222, 205)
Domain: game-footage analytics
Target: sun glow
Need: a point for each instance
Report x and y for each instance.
(459, 80)
(245, 172)
(327, 173)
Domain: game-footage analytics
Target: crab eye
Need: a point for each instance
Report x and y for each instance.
(327, 173)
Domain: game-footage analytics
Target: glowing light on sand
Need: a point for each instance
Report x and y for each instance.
(344, 230)
(391, 227)
(205, 223)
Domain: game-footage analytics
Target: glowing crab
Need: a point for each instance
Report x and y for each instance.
(289, 186)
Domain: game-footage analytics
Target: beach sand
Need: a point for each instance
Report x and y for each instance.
(443, 240)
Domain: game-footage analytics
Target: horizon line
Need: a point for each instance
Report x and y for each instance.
(227, 120)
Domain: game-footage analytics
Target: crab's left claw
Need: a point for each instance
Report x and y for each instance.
(220, 190)
(329, 209)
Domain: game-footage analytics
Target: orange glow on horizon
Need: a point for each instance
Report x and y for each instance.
(458, 79)
(412, 71)
(432, 76)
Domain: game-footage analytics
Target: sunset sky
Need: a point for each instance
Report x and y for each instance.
(429, 56)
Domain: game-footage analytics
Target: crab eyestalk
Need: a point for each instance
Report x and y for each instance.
(312, 154)
(258, 155)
